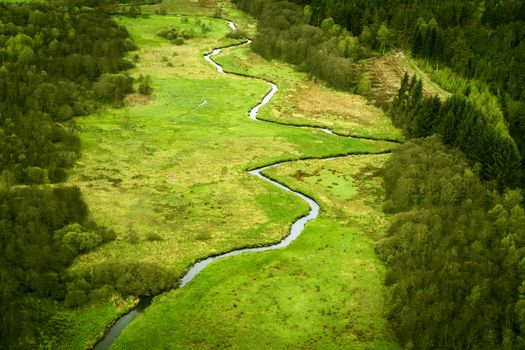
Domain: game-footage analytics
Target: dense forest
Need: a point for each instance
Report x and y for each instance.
(57, 60)
(455, 250)
(328, 52)
(464, 124)
(455, 253)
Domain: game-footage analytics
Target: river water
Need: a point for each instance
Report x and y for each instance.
(295, 230)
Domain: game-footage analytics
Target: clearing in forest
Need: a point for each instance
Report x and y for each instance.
(169, 175)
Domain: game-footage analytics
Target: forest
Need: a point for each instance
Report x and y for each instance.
(58, 60)
(480, 40)
(455, 248)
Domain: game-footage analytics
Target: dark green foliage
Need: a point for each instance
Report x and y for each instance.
(177, 37)
(515, 115)
(51, 61)
(42, 229)
(127, 278)
(112, 88)
(328, 53)
(145, 86)
(462, 124)
(453, 253)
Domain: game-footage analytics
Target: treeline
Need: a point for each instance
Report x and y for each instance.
(456, 249)
(482, 40)
(42, 230)
(455, 253)
(479, 39)
(468, 123)
(58, 60)
(328, 52)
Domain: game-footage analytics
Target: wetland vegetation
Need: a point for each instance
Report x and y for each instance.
(124, 160)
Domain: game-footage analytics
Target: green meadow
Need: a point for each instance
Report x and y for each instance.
(303, 102)
(325, 291)
(170, 171)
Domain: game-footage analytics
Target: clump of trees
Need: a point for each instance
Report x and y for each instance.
(328, 52)
(455, 253)
(465, 122)
(42, 230)
(176, 36)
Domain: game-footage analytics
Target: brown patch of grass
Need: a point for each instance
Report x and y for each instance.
(207, 3)
(314, 99)
(135, 99)
(386, 72)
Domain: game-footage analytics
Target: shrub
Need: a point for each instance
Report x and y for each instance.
(145, 86)
(75, 298)
(153, 236)
(132, 236)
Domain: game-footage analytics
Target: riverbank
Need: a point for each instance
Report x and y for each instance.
(176, 166)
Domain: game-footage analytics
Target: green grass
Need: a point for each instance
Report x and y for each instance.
(344, 113)
(175, 165)
(88, 323)
(325, 291)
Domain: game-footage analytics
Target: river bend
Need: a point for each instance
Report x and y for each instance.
(296, 228)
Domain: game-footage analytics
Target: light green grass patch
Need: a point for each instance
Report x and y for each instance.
(324, 291)
(176, 166)
(332, 183)
(302, 102)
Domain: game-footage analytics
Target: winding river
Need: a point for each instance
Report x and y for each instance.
(295, 230)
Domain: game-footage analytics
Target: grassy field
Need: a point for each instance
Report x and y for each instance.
(303, 102)
(325, 291)
(174, 166)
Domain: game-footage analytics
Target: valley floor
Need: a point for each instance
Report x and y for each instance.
(170, 172)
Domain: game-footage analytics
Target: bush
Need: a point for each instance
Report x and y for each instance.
(35, 175)
(236, 34)
(76, 239)
(132, 236)
(145, 86)
(113, 87)
(75, 298)
(153, 236)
